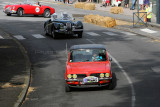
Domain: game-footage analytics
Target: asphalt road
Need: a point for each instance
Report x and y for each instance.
(136, 64)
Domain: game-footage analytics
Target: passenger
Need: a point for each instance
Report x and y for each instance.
(96, 57)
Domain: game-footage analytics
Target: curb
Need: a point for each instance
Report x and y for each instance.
(23, 94)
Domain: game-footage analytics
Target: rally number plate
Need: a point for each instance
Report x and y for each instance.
(90, 79)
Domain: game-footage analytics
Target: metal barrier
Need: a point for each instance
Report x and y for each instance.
(140, 16)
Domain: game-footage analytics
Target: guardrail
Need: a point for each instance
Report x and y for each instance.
(141, 19)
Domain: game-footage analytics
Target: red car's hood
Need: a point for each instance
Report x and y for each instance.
(88, 68)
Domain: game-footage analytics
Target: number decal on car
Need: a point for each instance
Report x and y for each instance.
(37, 9)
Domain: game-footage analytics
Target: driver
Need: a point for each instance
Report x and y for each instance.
(95, 57)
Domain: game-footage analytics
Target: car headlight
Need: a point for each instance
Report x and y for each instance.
(107, 75)
(74, 76)
(62, 26)
(69, 76)
(9, 8)
(101, 75)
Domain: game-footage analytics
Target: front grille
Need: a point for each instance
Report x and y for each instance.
(81, 76)
(68, 26)
(96, 75)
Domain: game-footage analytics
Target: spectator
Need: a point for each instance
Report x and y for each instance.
(126, 2)
(146, 2)
(149, 13)
(89, 0)
(141, 4)
(133, 5)
(113, 3)
(108, 2)
(118, 3)
(103, 3)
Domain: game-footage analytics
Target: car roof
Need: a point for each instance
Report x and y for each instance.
(88, 46)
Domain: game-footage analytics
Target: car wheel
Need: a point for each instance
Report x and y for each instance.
(113, 83)
(67, 88)
(47, 13)
(20, 12)
(54, 34)
(80, 34)
(9, 14)
(45, 30)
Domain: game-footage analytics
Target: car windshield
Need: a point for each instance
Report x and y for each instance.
(62, 16)
(88, 55)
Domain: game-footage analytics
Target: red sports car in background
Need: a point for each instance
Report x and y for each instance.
(29, 7)
(89, 65)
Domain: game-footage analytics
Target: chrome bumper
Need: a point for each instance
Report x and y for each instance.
(9, 11)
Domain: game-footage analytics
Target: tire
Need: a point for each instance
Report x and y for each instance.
(113, 83)
(54, 35)
(67, 88)
(45, 30)
(79, 34)
(8, 14)
(20, 12)
(47, 13)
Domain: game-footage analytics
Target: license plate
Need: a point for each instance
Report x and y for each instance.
(90, 79)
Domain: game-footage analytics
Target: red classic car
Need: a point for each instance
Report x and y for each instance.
(29, 7)
(89, 65)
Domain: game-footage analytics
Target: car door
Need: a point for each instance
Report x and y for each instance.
(36, 9)
(27, 8)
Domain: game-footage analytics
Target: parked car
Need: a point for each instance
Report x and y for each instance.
(63, 24)
(29, 7)
(89, 65)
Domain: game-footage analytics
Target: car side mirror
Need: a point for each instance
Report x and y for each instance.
(110, 59)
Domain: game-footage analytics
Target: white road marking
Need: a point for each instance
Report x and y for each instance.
(1, 37)
(110, 33)
(19, 37)
(156, 69)
(148, 30)
(39, 36)
(133, 99)
(128, 33)
(92, 34)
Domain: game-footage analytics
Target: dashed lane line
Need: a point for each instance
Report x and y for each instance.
(19, 37)
(110, 33)
(92, 34)
(128, 33)
(38, 36)
(1, 37)
(148, 30)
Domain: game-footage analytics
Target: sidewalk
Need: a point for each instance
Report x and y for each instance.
(126, 11)
(14, 71)
(153, 26)
(152, 31)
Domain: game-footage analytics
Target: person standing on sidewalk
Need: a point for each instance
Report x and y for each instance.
(126, 2)
(108, 2)
(146, 2)
(149, 13)
(141, 4)
(133, 5)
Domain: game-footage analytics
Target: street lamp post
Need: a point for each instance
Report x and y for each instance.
(158, 11)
